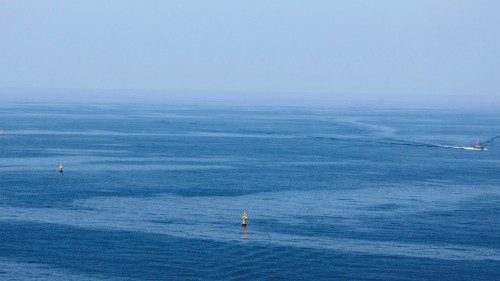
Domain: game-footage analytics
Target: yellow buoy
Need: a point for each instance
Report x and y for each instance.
(244, 219)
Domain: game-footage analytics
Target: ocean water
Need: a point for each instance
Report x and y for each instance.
(156, 193)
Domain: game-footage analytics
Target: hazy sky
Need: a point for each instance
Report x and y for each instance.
(404, 52)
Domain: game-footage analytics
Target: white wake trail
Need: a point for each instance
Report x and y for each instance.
(462, 147)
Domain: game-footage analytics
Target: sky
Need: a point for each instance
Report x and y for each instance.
(422, 53)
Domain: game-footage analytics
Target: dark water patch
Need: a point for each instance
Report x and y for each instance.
(121, 254)
(472, 223)
(383, 207)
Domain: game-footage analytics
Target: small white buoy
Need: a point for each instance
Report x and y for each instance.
(60, 168)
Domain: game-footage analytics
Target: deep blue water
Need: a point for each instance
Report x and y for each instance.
(156, 193)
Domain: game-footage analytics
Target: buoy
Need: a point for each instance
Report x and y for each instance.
(60, 168)
(244, 219)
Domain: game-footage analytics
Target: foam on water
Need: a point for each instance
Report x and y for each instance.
(464, 147)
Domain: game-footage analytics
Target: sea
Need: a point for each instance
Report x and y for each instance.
(156, 192)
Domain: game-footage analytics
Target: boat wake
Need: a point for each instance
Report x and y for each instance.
(463, 147)
(491, 139)
(385, 141)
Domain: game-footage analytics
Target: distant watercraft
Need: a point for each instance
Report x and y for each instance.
(478, 146)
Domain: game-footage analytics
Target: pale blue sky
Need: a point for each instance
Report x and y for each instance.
(357, 52)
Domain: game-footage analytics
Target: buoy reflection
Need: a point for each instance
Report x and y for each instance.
(244, 232)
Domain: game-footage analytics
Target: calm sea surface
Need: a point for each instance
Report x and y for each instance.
(157, 192)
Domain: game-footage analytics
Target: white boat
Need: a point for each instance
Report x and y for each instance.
(478, 146)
